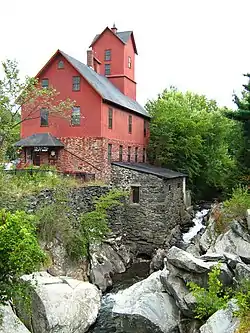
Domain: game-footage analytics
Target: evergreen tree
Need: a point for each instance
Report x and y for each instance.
(242, 115)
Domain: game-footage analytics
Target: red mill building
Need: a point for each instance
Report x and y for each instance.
(107, 123)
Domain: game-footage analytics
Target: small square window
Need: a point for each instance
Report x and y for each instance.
(110, 118)
(107, 69)
(107, 55)
(45, 83)
(136, 154)
(76, 83)
(60, 64)
(129, 62)
(109, 152)
(135, 194)
(44, 117)
(130, 124)
(120, 153)
(129, 154)
(76, 116)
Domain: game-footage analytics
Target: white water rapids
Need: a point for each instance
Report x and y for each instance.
(198, 225)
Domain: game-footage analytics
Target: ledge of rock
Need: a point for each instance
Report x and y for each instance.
(145, 306)
(61, 304)
(10, 322)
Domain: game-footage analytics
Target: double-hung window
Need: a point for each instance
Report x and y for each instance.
(76, 83)
(76, 116)
(44, 117)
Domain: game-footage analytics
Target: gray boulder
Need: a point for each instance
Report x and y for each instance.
(176, 287)
(222, 321)
(145, 305)
(62, 304)
(105, 262)
(10, 323)
(209, 236)
(230, 242)
(242, 272)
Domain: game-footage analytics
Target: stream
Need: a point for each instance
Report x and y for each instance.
(106, 321)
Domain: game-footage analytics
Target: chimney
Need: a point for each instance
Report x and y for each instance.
(90, 58)
(114, 29)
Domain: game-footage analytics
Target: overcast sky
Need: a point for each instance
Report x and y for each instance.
(197, 45)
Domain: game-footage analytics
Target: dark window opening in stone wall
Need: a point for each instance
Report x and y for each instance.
(136, 154)
(169, 187)
(120, 153)
(109, 152)
(179, 185)
(135, 194)
(129, 154)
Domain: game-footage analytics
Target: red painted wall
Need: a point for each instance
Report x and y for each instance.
(87, 98)
(119, 62)
(119, 129)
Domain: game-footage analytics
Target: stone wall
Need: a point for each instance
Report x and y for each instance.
(156, 220)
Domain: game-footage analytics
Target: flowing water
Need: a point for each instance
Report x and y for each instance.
(106, 322)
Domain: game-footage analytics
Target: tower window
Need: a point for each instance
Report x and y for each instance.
(109, 152)
(75, 116)
(45, 83)
(130, 124)
(44, 117)
(129, 62)
(120, 153)
(76, 83)
(107, 69)
(60, 64)
(107, 55)
(110, 118)
(135, 194)
(129, 154)
(136, 154)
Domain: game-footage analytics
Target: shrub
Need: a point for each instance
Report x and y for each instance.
(235, 208)
(211, 299)
(20, 252)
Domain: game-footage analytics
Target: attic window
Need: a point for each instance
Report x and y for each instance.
(76, 83)
(45, 83)
(60, 64)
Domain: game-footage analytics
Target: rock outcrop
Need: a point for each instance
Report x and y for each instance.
(222, 321)
(9, 322)
(145, 305)
(61, 304)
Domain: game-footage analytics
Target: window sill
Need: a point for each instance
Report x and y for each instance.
(44, 125)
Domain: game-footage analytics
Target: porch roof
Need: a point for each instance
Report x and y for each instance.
(40, 140)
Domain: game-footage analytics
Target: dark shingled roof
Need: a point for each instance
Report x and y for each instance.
(150, 169)
(40, 140)
(123, 35)
(105, 88)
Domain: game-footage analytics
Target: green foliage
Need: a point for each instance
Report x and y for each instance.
(16, 94)
(94, 224)
(190, 133)
(242, 116)
(14, 189)
(236, 206)
(211, 299)
(20, 252)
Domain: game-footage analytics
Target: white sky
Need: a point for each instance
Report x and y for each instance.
(197, 45)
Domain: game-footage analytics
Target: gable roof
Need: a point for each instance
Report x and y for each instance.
(150, 169)
(122, 35)
(40, 140)
(105, 88)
